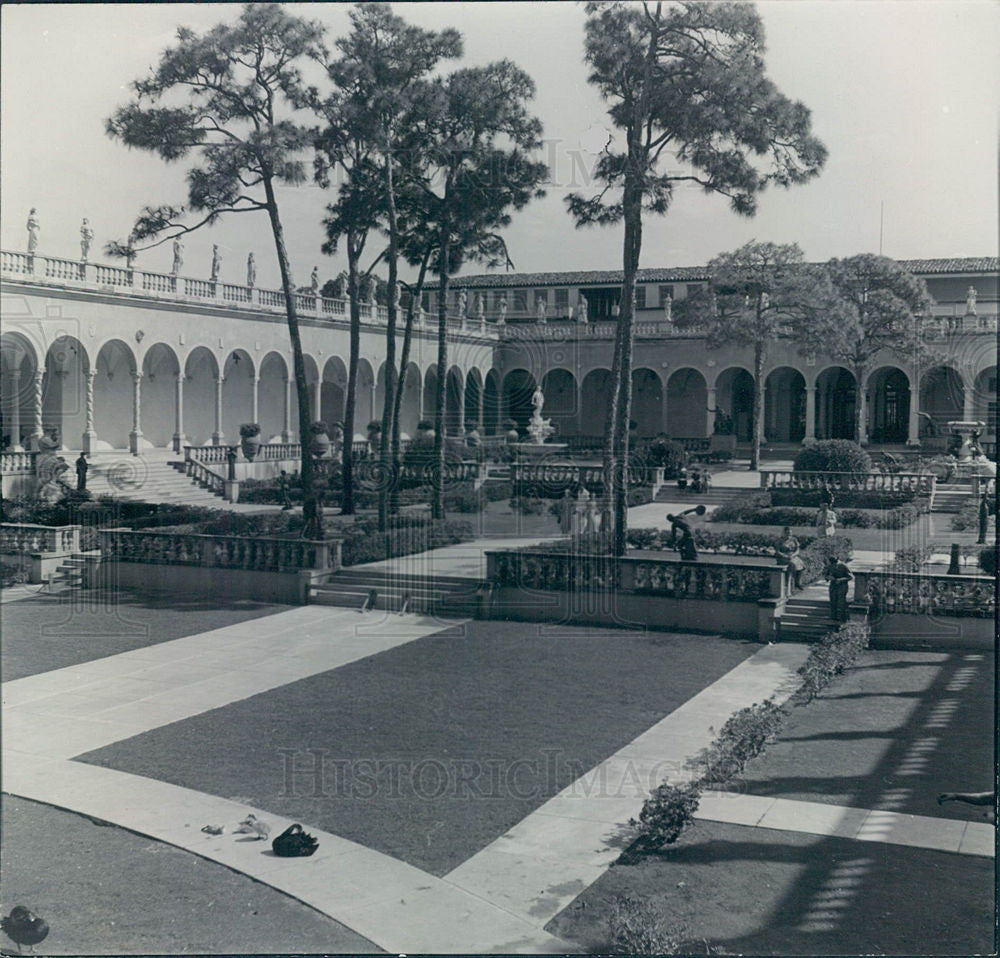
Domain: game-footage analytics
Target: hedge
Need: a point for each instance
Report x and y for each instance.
(833, 455)
(897, 518)
(846, 498)
(364, 543)
(988, 560)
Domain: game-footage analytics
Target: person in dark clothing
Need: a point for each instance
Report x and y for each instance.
(286, 502)
(81, 473)
(984, 519)
(685, 547)
(840, 577)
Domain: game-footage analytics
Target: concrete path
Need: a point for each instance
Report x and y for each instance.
(538, 867)
(861, 824)
(14, 593)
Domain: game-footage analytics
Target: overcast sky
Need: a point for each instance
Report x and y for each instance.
(904, 94)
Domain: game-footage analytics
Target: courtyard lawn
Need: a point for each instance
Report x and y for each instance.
(107, 891)
(45, 633)
(485, 721)
(891, 733)
(756, 891)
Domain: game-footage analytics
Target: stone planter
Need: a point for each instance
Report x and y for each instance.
(250, 446)
(320, 445)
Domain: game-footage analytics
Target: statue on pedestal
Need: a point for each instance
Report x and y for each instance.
(368, 287)
(540, 310)
(502, 320)
(216, 262)
(251, 271)
(178, 257)
(970, 301)
(314, 281)
(481, 306)
(581, 310)
(463, 302)
(86, 237)
(33, 229)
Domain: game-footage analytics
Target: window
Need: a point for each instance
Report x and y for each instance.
(666, 292)
(640, 297)
(520, 300)
(562, 299)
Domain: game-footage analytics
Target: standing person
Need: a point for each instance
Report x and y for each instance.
(826, 522)
(81, 473)
(286, 502)
(839, 577)
(566, 509)
(984, 519)
(787, 554)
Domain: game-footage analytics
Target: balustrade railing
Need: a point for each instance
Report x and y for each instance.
(725, 581)
(552, 476)
(62, 268)
(216, 552)
(900, 483)
(213, 454)
(25, 538)
(114, 276)
(205, 477)
(158, 282)
(925, 593)
(237, 294)
(18, 463)
(200, 288)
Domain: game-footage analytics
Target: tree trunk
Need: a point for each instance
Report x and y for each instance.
(353, 257)
(404, 361)
(444, 251)
(860, 410)
(388, 478)
(311, 507)
(757, 430)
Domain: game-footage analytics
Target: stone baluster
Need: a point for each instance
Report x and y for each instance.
(14, 413)
(89, 432)
(217, 436)
(37, 431)
(135, 436)
(179, 438)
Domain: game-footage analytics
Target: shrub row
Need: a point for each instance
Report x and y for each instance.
(670, 808)
(364, 543)
(844, 499)
(833, 455)
(910, 558)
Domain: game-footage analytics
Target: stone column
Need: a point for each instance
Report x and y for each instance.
(255, 399)
(14, 417)
(89, 444)
(179, 438)
(286, 425)
(36, 430)
(317, 399)
(217, 436)
(480, 426)
(710, 421)
(810, 412)
(135, 436)
(968, 401)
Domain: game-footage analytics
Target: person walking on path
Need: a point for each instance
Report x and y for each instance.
(286, 502)
(787, 554)
(839, 576)
(984, 519)
(81, 473)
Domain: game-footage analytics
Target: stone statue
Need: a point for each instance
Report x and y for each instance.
(503, 312)
(970, 301)
(33, 229)
(368, 290)
(314, 280)
(397, 295)
(538, 399)
(216, 262)
(86, 237)
(581, 310)
(481, 306)
(251, 271)
(418, 316)
(463, 302)
(178, 257)
(668, 309)
(540, 310)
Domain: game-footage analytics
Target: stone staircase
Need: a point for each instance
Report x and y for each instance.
(430, 595)
(952, 496)
(67, 578)
(806, 617)
(716, 495)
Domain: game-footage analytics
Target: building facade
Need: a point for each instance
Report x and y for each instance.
(117, 358)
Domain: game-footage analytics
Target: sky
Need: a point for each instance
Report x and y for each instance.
(904, 94)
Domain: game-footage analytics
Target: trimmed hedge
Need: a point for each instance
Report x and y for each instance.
(364, 543)
(836, 653)
(897, 518)
(816, 556)
(846, 499)
(833, 455)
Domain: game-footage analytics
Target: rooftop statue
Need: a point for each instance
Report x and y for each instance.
(33, 229)
(86, 237)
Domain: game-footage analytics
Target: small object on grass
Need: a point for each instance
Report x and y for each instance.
(293, 842)
(370, 601)
(252, 825)
(213, 829)
(23, 927)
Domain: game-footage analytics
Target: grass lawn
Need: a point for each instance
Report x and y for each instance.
(485, 722)
(106, 891)
(44, 633)
(891, 733)
(761, 892)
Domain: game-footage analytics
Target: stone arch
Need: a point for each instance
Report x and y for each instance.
(734, 395)
(379, 406)
(364, 399)
(64, 390)
(687, 404)
(238, 376)
(272, 394)
(409, 407)
(491, 403)
(113, 395)
(314, 390)
(160, 368)
(595, 398)
(518, 388)
(942, 397)
(561, 401)
(201, 371)
(333, 391)
(836, 395)
(454, 400)
(430, 393)
(473, 399)
(647, 402)
(888, 404)
(785, 405)
(18, 366)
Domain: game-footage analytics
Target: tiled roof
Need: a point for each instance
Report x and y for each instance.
(681, 274)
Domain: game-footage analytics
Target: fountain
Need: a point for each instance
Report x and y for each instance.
(971, 461)
(540, 430)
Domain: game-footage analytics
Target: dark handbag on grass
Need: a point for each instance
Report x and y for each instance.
(294, 843)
